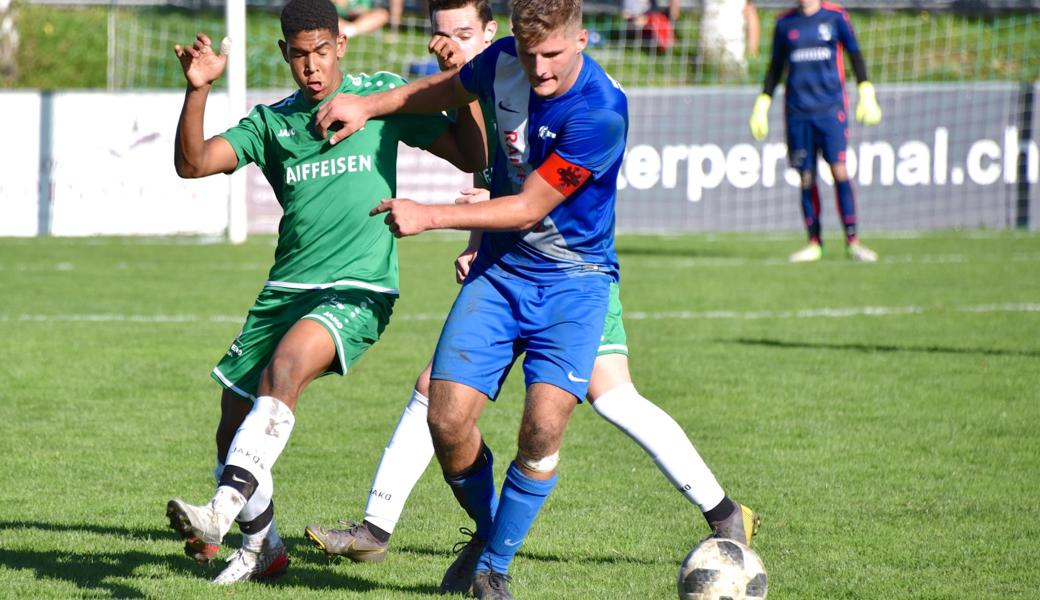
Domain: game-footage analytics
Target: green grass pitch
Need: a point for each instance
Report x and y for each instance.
(884, 419)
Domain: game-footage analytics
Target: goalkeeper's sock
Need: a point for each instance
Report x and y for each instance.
(811, 212)
(846, 200)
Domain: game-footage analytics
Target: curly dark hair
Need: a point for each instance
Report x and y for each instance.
(483, 7)
(309, 15)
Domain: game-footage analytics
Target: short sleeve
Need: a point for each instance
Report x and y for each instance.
(593, 140)
(247, 139)
(478, 75)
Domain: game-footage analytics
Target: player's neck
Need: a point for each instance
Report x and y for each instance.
(811, 10)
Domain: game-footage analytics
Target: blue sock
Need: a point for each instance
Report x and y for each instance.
(474, 488)
(522, 498)
(847, 208)
(811, 212)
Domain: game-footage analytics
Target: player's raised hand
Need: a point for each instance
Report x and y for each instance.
(473, 195)
(868, 111)
(404, 217)
(202, 66)
(447, 51)
(347, 111)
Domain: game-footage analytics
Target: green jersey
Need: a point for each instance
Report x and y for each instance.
(325, 237)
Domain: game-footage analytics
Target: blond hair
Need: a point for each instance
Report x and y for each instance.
(535, 20)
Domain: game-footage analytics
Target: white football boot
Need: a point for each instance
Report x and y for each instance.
(269, 562)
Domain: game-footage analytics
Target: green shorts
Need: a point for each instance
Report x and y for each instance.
(613, 340)
(355, 319)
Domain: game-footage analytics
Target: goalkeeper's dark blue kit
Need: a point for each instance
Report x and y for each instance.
(815, 103)
(813, 48)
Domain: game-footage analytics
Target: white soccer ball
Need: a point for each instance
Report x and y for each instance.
(721, 569)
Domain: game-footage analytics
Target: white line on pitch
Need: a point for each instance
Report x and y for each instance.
(680, 315)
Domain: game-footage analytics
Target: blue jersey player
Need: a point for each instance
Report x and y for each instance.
(811, 41)
(541, 280)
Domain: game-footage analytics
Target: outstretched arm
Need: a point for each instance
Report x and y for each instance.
(465, 143)
(537, 199)
(194, 156)
(436, 93)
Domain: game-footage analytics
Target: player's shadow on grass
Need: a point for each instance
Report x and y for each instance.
(629, 248)
(100, 571)
(90, 572)
(856, 347)
(543, 557)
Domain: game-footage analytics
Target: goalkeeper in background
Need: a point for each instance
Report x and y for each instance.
(810, 40)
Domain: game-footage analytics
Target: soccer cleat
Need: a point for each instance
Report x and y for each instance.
(198, 525)
(860, 253)
(810, 253)
(741, 526)
(355, 542)
(491, 585)
(458, 579)
(269, 562)
(200, 551)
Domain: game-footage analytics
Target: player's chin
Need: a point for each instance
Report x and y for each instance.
(544, 88)
(316, 91)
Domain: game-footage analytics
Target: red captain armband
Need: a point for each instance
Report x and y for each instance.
(562, 175)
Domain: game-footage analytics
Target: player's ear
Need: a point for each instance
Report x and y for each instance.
(341, 46)
(490, 30)
(284, 49)
(583, 39)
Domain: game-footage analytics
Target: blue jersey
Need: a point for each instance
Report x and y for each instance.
(813, 48)
(587, 127)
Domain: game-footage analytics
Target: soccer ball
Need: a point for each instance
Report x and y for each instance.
(721, 569)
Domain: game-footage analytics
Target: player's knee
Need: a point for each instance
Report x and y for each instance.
(447, 429)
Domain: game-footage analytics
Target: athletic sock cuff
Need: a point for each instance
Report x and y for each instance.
(614, 394)
(258, 524)
(530, 485)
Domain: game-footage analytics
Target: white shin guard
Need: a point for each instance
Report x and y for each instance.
(256, 447)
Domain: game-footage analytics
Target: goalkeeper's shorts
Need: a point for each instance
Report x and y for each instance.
(810, 136)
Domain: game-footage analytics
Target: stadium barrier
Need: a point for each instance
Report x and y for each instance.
(969, 161)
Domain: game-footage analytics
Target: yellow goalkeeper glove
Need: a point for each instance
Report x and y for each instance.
(867, 110)
(760, 117)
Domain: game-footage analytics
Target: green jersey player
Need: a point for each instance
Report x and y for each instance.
(332, 288)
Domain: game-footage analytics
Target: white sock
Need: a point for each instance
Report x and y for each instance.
(255, 507)
(664, 440)
(404, 460)
(256, 447)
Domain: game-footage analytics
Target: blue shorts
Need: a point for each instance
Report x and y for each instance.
(809, 136)
(496, 317)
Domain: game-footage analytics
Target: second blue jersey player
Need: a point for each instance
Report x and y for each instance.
(811, 42)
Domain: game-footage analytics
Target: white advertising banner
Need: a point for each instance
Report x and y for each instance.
(113, 167)
(20, 164)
